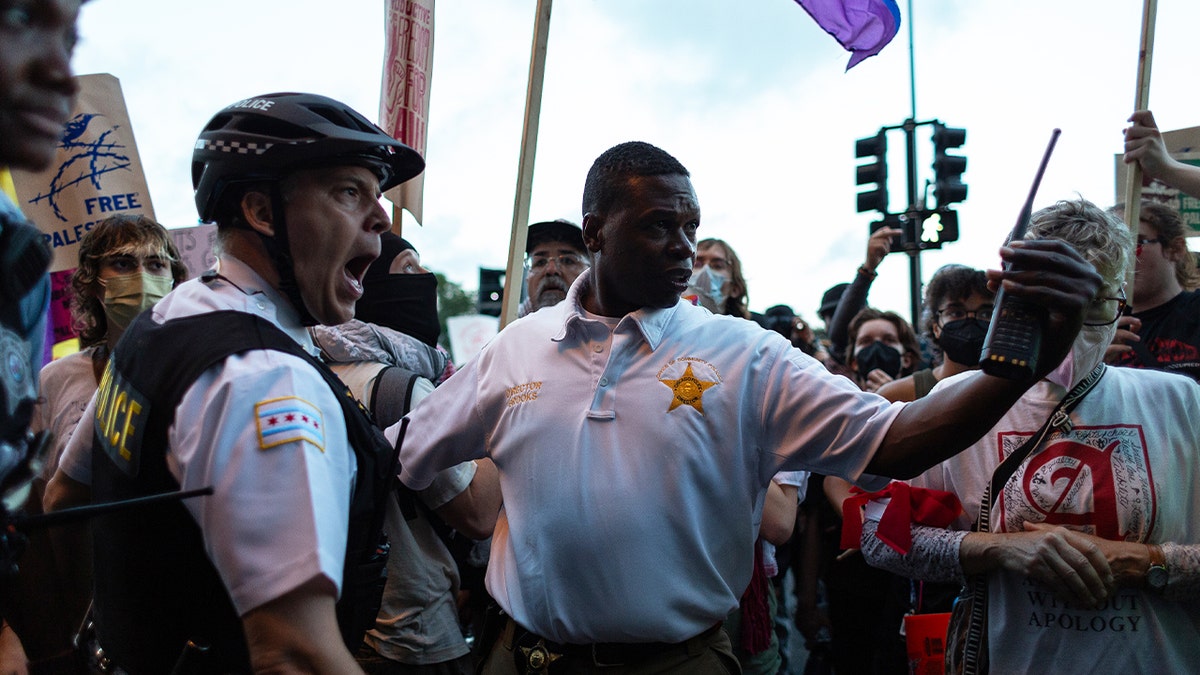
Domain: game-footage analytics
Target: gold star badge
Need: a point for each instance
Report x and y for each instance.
(688, 390)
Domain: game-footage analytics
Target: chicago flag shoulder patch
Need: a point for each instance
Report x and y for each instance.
(288, 419)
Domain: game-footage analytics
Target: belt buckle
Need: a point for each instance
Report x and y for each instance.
(538, 658)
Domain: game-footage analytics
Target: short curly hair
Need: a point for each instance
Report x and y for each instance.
(606, 179)
(112, 236)
(1095, 233)
(951, 282)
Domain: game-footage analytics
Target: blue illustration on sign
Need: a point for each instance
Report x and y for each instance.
(87, 162)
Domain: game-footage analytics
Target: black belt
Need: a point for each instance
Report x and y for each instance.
(537, 653)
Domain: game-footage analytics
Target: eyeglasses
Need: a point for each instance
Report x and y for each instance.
(1142, 241)
(566, 262)
(958, 314)
(1103, 311)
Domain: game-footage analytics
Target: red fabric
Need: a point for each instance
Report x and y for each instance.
(909, 506)
(756, 613)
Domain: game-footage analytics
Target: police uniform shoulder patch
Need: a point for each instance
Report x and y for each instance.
(288, 419)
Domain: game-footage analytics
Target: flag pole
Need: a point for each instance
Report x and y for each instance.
(1133, 182)
(520, 222)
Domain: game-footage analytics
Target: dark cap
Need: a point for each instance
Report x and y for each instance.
(829, 301)
(555, 230)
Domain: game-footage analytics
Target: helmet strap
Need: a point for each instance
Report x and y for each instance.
(279, 250)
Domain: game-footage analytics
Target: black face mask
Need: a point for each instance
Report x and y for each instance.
(962, 340)
(877, 356)
(402, 302)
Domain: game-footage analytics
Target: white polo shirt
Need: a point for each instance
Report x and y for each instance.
(634, 461)
(278, 514)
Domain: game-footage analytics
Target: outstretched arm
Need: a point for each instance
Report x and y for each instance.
(927, 431)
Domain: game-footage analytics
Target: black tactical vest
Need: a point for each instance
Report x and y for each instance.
(155, 586)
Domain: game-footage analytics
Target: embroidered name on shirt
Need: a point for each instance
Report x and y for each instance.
(687, 389)
(522, 393)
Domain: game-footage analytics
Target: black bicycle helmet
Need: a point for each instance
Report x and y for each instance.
(266, 137)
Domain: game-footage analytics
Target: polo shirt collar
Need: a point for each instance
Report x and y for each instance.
(651, 323)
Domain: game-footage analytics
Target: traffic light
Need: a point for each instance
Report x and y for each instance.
(948, 187)
(939, 227)
(491, 291)
(874, 172)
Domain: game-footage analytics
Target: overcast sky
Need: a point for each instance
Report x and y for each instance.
(751, 96)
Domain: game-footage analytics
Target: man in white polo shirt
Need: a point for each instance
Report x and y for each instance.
(635, 435)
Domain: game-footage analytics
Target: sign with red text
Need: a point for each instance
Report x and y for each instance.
(95, 174)
(404, 95)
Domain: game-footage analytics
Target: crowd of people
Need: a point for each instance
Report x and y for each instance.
(623, 478)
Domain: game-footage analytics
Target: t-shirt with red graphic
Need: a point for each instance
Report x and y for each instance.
(1171, 335)
(1125, 471)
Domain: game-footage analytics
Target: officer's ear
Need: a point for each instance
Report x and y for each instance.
(256, 211)
(593, 231)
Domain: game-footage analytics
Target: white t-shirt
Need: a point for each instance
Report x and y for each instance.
(1126, 471)
(634, 461)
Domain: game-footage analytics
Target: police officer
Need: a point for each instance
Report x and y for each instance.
(218, 386)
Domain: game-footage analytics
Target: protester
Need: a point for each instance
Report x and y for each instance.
(1089, 557)
(630, 428)
(866, 604)
(230, 395)
(783, 320)
(717, 282)
(37, 91)
(882, 347)
(1163, 332)
(388, 356)
(555, 255)
(957, 309)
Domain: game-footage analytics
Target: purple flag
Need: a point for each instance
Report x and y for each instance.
(863, 27)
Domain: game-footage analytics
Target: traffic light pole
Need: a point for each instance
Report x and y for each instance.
(913, 213)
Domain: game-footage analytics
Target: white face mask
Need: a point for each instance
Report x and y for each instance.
(1086, 352)
(707, 289)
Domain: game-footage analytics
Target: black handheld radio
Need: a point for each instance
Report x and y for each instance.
(1014, 336)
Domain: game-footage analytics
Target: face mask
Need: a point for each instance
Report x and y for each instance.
(402, 302)
(706, 288)
(878, 356)
(128, 295)
(1086, 352)
(962, 340)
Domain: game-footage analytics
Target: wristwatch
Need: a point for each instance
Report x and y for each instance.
(1156, 576)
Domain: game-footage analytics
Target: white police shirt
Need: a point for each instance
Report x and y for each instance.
(278, 514)
(634, 455)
